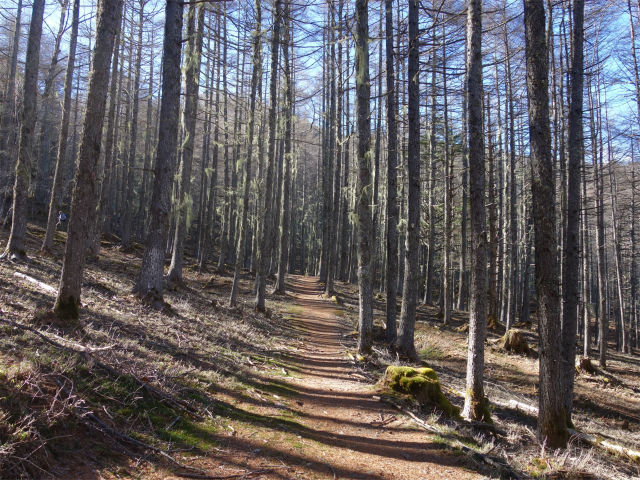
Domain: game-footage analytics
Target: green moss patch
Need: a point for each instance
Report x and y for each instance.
(420, 384)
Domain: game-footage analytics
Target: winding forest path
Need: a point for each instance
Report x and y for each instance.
(357, 436)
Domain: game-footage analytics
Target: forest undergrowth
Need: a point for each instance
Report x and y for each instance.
(201, 390)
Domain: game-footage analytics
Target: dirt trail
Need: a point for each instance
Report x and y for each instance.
(342, 416)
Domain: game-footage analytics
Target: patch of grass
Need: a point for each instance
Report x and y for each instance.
(294, 310)
(431, 351)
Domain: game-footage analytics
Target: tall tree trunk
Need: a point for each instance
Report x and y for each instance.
(492, 310)
(391, 333)
(224, 235)
(571, 270)
(45, 144)
(428, 294)
(141, 216)
(287, 194)
(552, 428)
(513, 212)
(406, 346)
(617, 250)
(150, 281)
(363, 195)
(474, 403)
(448, 197)
(85, 196)
(58, 176)
(463, 288)
(189, 117)
(8, 130)
(255, 77)
(133, 139)
(16, 244)
(264, 253)
(334, 172)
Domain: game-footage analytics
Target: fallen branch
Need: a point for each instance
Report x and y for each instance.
(610, 447)
(481, 457)
(167, 397)
(104, 428)
(44, 286)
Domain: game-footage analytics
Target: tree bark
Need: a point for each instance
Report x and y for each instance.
(552, 428)
(255, 77)
(16, 245)
(265, 237)
(285, 200)
(150, 281)
(58, 176)
(391, 333)
(571, 270)
(364, 194)
(474, 403)
(406, 346)
(189, 117)
(83, 202)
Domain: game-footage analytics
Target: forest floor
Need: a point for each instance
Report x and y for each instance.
(202, 390)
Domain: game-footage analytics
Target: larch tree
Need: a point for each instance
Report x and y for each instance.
(571, 269)
(193, 57)
(474, 402)
(363, 188)
(150, 281)
(391, 333)
(285, 199)
(255, 78)
(552, 427)
(58, 175)
(264, 240)
(85, 194)
(16, 245)
(406, 330)
(7, 130)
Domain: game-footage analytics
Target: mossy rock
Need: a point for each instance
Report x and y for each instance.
(513, 341)
(420, 384)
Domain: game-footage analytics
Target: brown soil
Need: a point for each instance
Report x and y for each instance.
(340, 431)
(277, 395)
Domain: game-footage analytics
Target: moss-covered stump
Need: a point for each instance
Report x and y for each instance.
(420, 384)
(513, 341)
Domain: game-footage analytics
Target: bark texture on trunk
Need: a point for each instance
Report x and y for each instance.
(571, 270)
(391, 333)
(363, 192)
(265, 237)
(85, 194)
(193, 55)
(406, 346)
(474, 403)
(16, 244)
(255, 77)
(552, 428)
(150, 280)
(58, 175)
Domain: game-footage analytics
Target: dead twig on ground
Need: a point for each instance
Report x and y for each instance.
(480, 457)
(115, 434)
(86, 354)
